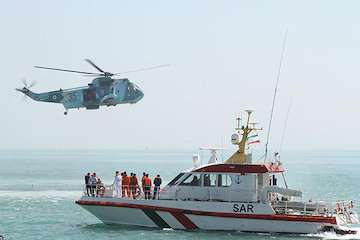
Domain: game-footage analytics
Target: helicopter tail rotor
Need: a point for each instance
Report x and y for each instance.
(28, 85)
(26, 88)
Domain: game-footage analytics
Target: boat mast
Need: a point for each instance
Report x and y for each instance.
(241, 156)
(285, 126)
(275, 92)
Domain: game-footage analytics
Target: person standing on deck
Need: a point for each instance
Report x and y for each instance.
(143, 182)
(133, 184)
(93, 180)
(87, 184)
(147, 187)
(157, 183)
(117, 184)
(125, 185)
(100, 188)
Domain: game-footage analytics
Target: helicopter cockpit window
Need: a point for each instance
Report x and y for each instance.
(136, 88)
(130, 89)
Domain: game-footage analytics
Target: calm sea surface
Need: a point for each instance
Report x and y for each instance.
(38, 189)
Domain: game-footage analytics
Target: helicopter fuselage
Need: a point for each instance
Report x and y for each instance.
(102, 91)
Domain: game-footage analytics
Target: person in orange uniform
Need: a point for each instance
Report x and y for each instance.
(125, 185)
(143, 182)
(147, 182)
(133, 184)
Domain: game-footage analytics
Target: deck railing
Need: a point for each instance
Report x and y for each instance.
(342, 209)
(109, 191)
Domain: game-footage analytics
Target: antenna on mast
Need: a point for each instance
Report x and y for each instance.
(275, 91)
(285, 126)
(238, 119)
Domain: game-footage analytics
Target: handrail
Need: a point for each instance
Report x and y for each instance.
(343, 209)
(110, 191)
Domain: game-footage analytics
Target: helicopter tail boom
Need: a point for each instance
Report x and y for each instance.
(27, 92)
(55, 96)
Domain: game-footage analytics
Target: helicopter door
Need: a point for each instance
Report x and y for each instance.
(89, 95)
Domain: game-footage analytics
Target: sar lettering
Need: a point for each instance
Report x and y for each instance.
(243, 208)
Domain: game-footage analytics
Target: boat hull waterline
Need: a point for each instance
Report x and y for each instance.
(192, 215)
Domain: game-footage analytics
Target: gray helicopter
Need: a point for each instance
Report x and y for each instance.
(102, 91)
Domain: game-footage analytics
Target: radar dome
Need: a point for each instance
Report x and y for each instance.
(235, 138)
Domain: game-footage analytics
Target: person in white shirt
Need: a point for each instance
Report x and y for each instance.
(93, 180)
(117, 184)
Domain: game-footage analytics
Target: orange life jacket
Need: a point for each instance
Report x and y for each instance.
(133, 181)
(147, 181)
(126, 180)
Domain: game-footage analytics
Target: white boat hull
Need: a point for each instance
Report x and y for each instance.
(201, 215)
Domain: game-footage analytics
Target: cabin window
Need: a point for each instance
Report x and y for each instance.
(273, 181)
(209, 180)
(175, 180)
(260, 180)
(237, 179)
(192, 180)
(224, 180)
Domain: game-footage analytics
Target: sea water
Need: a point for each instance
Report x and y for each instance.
(38, 190)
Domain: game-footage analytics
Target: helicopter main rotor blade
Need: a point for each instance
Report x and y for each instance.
(64, 70)
(94, 65)
(143, 69)
(95, 75)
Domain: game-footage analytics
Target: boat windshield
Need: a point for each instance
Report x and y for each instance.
(174, 181)
(192, 180)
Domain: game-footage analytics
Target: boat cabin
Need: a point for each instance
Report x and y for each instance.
(223, 182)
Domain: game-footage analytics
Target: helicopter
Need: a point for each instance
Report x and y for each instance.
(102, 91)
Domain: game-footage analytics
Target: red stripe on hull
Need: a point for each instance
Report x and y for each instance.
(184, 220)
(276, 217)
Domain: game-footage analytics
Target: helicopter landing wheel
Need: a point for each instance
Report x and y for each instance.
(66, 112)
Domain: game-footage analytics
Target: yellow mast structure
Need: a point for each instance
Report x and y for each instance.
(241, 156)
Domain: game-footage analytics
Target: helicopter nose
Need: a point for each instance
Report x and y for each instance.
(140, 95)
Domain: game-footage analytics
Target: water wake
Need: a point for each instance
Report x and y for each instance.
(333, 235)
(40, 194)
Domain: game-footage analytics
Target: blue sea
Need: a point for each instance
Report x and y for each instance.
(38, 189)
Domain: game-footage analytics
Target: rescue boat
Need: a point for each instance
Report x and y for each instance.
(236, 195)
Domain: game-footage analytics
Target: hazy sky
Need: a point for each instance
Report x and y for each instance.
(224, 57)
